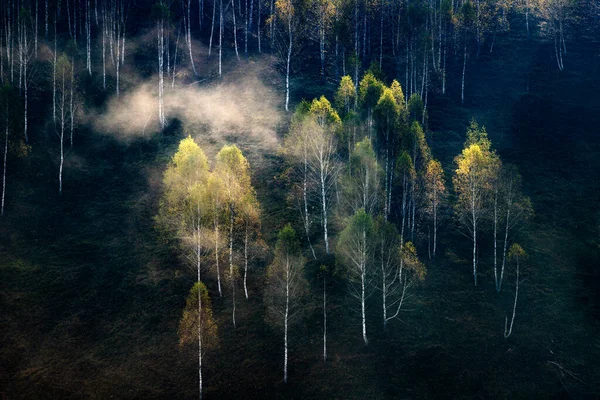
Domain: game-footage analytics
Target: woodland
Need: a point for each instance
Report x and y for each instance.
(328, 199)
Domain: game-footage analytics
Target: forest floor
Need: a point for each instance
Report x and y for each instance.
(91, 295)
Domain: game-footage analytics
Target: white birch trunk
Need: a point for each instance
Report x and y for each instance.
(4, 169)
(508, 332)
(287, 67)
(287, 310)
(324, 318)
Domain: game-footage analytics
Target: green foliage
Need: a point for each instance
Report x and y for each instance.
(375, 70)
(192, 315)
(415, 107)
(411, 262)
(345, 95)
(286, 285)
(398, 93)
(370, 89)
(160, 11)
(478, 135)
(358, 226)
(387, 112)
(287, 241)
(516, 252)
(324, 114)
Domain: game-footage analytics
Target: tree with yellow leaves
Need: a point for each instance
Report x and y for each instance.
(435, 192)
(233, 171)
(476, 166)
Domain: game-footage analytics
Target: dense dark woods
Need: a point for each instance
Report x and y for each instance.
(299, 199)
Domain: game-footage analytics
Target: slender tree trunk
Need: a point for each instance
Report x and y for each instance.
(246, 262)
(474, 240)
(4, 169)
(235, 43)
(220, 37)
(495, 239)
(217, 258)
(508, 332)
(231, 270)
(435, 227)
(198, 265)
(462, 87)
(285, 323)
(324, 318)
(54, 76)
(324, 209)
(212, 27)
(189, 36)
(362, 288)
(287, 66)
(71, 104)
(504, 245)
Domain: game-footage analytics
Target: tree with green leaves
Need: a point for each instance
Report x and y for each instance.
(416, 143)
(369, 92)
(296, 149)
(197, 325)
(515, 253)
(345, 95)
(405, 169)
(355, 248)
(233, 170)
(322, 127)
(286, 286)
(476, 166)
(360, 184)
(388, 114)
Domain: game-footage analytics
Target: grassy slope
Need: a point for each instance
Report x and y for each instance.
(91, 297)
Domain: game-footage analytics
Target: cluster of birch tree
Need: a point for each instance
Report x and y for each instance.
(367, 190)
(214, 217)
(363, 176)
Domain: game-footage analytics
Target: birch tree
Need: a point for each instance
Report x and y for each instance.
(286, 287)
(233, 170)
(197, 325)
(7, 111)
(472, 178)
(250, 224)
(322, 146)
(360, 184)
(516, 252)
(216, 203)
(161, 15)
(64, 94)
(435, 193)
(345, 96)
(370, 90)
(388, 114)
(296, 150)
(286, 35)
(516, 207)
(407, 176)
(355, 248)
(400, 270)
